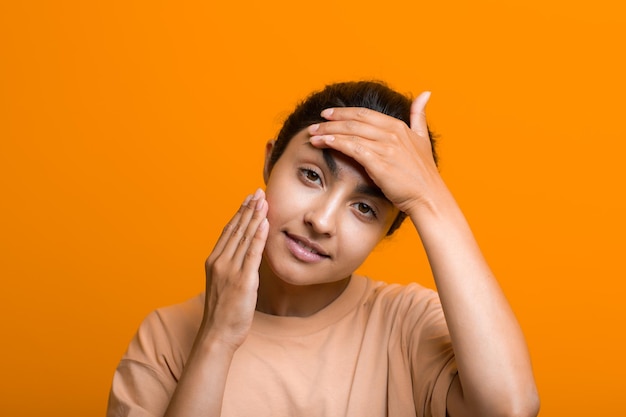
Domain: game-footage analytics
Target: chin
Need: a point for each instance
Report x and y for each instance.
(291, 272)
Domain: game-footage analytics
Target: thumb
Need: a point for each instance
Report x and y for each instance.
(418, 115)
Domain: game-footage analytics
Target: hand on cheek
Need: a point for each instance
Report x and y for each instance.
(232, 276)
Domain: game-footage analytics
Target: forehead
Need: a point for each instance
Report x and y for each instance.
(340, 165)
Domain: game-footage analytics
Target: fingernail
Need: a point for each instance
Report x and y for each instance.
(259, 204)
(313, 128)
(322, 138)
(264, 224)
(327, 113)
(257, 194)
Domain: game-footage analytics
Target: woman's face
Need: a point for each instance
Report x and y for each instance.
(325, 214)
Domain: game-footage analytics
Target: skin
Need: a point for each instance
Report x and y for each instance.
(333, 203)
(494, 371)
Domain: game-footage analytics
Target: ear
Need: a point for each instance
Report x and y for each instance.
(269, 147)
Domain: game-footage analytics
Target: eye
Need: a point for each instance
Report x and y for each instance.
(310, 175)
(365, 209)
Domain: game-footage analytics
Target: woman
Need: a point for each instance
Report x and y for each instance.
(287, 328)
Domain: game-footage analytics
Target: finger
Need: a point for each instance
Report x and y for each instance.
(418, 114)
(350, 128)
(228, 229)
(360, 114)
(254, 253)
(241, 226)
(260, 213)
(361, 150)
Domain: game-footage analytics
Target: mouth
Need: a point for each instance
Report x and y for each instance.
(304, 249)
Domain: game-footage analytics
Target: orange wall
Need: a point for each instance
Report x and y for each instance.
(131, 130)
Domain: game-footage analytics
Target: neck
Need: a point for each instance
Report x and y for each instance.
(279, 298)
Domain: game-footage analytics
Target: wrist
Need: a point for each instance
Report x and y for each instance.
(434, 203)
(213, 344)
(210, 338)
(439, 217)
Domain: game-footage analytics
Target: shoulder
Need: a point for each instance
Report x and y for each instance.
(399, 298)
(181, 316)
(175, 319)
(411, 313)
(147, 374)
(167, 332)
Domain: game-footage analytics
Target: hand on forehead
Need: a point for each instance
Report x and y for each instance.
(397, 157)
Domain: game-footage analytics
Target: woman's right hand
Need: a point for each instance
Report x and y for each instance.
(232, 281)
(232, 274)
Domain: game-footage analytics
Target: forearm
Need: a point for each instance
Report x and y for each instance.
(494, 367)
(200, 390)
(232, 280)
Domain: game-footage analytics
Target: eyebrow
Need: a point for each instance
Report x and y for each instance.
(366, 189)
(330, 162)
(371, 191)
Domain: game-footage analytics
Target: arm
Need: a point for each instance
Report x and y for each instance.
(494, 371)
(231, 289)
(495, 374)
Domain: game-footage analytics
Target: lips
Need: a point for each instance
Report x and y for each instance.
(304, 249)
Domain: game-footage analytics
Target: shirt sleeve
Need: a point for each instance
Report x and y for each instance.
(148, 373)
(431, 357)
(138, 391)
(144, 380)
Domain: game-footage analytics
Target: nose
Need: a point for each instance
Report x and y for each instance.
(322, 216)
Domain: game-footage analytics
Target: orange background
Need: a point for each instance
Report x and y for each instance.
(131, 130)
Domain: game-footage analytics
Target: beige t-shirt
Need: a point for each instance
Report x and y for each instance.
(377, 350)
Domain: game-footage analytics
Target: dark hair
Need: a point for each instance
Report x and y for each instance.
(374, 95)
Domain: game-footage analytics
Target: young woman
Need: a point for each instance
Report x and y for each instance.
(286, 327)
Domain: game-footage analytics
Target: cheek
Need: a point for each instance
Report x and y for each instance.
(357, 240)
(285, 194)
(282, 203)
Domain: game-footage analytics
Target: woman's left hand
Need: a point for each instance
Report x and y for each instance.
(398, 158)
